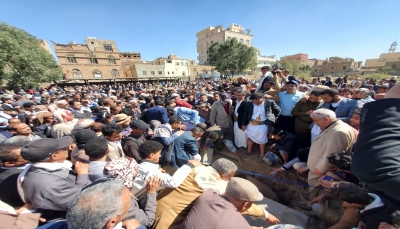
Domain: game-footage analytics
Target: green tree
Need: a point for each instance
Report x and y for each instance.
(296, 68)
(231, 57)
(23, 62)
(386, 70)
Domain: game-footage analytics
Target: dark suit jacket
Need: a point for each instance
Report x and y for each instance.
(157, 113)
(8, 186)
(376, 157)
(240, 111)
(272, 110)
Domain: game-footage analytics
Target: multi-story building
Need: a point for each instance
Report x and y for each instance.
(128, 59)
(337, 65)
(174, 66)
(218, 34)
(382, 60)
(264, 60)
(95, 60)
(148, 71)
(303, 58)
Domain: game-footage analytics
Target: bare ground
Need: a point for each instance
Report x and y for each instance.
(288, 193)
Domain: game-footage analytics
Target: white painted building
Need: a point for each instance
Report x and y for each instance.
(264, 61)
(174, 66)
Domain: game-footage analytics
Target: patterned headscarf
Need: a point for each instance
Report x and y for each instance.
(124, 168)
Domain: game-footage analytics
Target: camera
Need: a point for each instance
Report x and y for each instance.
(275, 67)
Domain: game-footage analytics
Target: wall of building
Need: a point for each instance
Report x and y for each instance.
(217, 34)
(74, 60)
(381, 61)
(147, 71)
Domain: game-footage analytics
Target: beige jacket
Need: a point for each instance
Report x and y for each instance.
(337, 138)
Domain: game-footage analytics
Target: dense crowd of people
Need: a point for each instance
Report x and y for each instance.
(95, 156)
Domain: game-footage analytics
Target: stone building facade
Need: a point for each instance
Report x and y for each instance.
(128, 60)
(95, 60)
(337, 65)
(218, 34)
(382, 60)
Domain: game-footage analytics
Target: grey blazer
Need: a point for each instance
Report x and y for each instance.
(218, 115)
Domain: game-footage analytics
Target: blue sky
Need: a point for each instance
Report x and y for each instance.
(359, 29)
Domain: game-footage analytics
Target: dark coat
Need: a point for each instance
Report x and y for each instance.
(157, 113)
(8, 186)
(272, 110)
(374, 216)
(376, 157)
(184, 149)
(240, 111)
(289, 143)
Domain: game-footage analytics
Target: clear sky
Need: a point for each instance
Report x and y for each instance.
(359, 29)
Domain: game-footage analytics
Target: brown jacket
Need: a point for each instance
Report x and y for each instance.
(349, 218)
(173, 205)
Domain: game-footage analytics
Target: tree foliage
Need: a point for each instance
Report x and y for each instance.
(23, 62)
(231, 57)
(386, 70)
(296, 68)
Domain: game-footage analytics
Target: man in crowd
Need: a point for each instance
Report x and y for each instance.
(13, 165)
(214, 211)
(48, 184)
(221, 113)
(158, 112)
(336, 136)
(287, 100)
(189, 117)
(132, 142)
(266, 75)
(179, 102)
(123, 121)
(113, 135)
(185, 147)
(378, 141)
(258, 118)
(342, 107)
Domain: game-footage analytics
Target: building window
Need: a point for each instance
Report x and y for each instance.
(168, 73)
(152, 73)
(344, 67)
(241, 41)
(112, 61)
(96, 73)
(172, 73)
(316, 70)
(145, 73)
(93, 60)
(177, 63)
(247, 42)
(108, 48)
(186, 63)
(182, 64)
(71, 60)
(331, 67)
(114, 73)
(326, 66)
(127, 66)
(76, 73)
(160, 73)
(183, 73)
